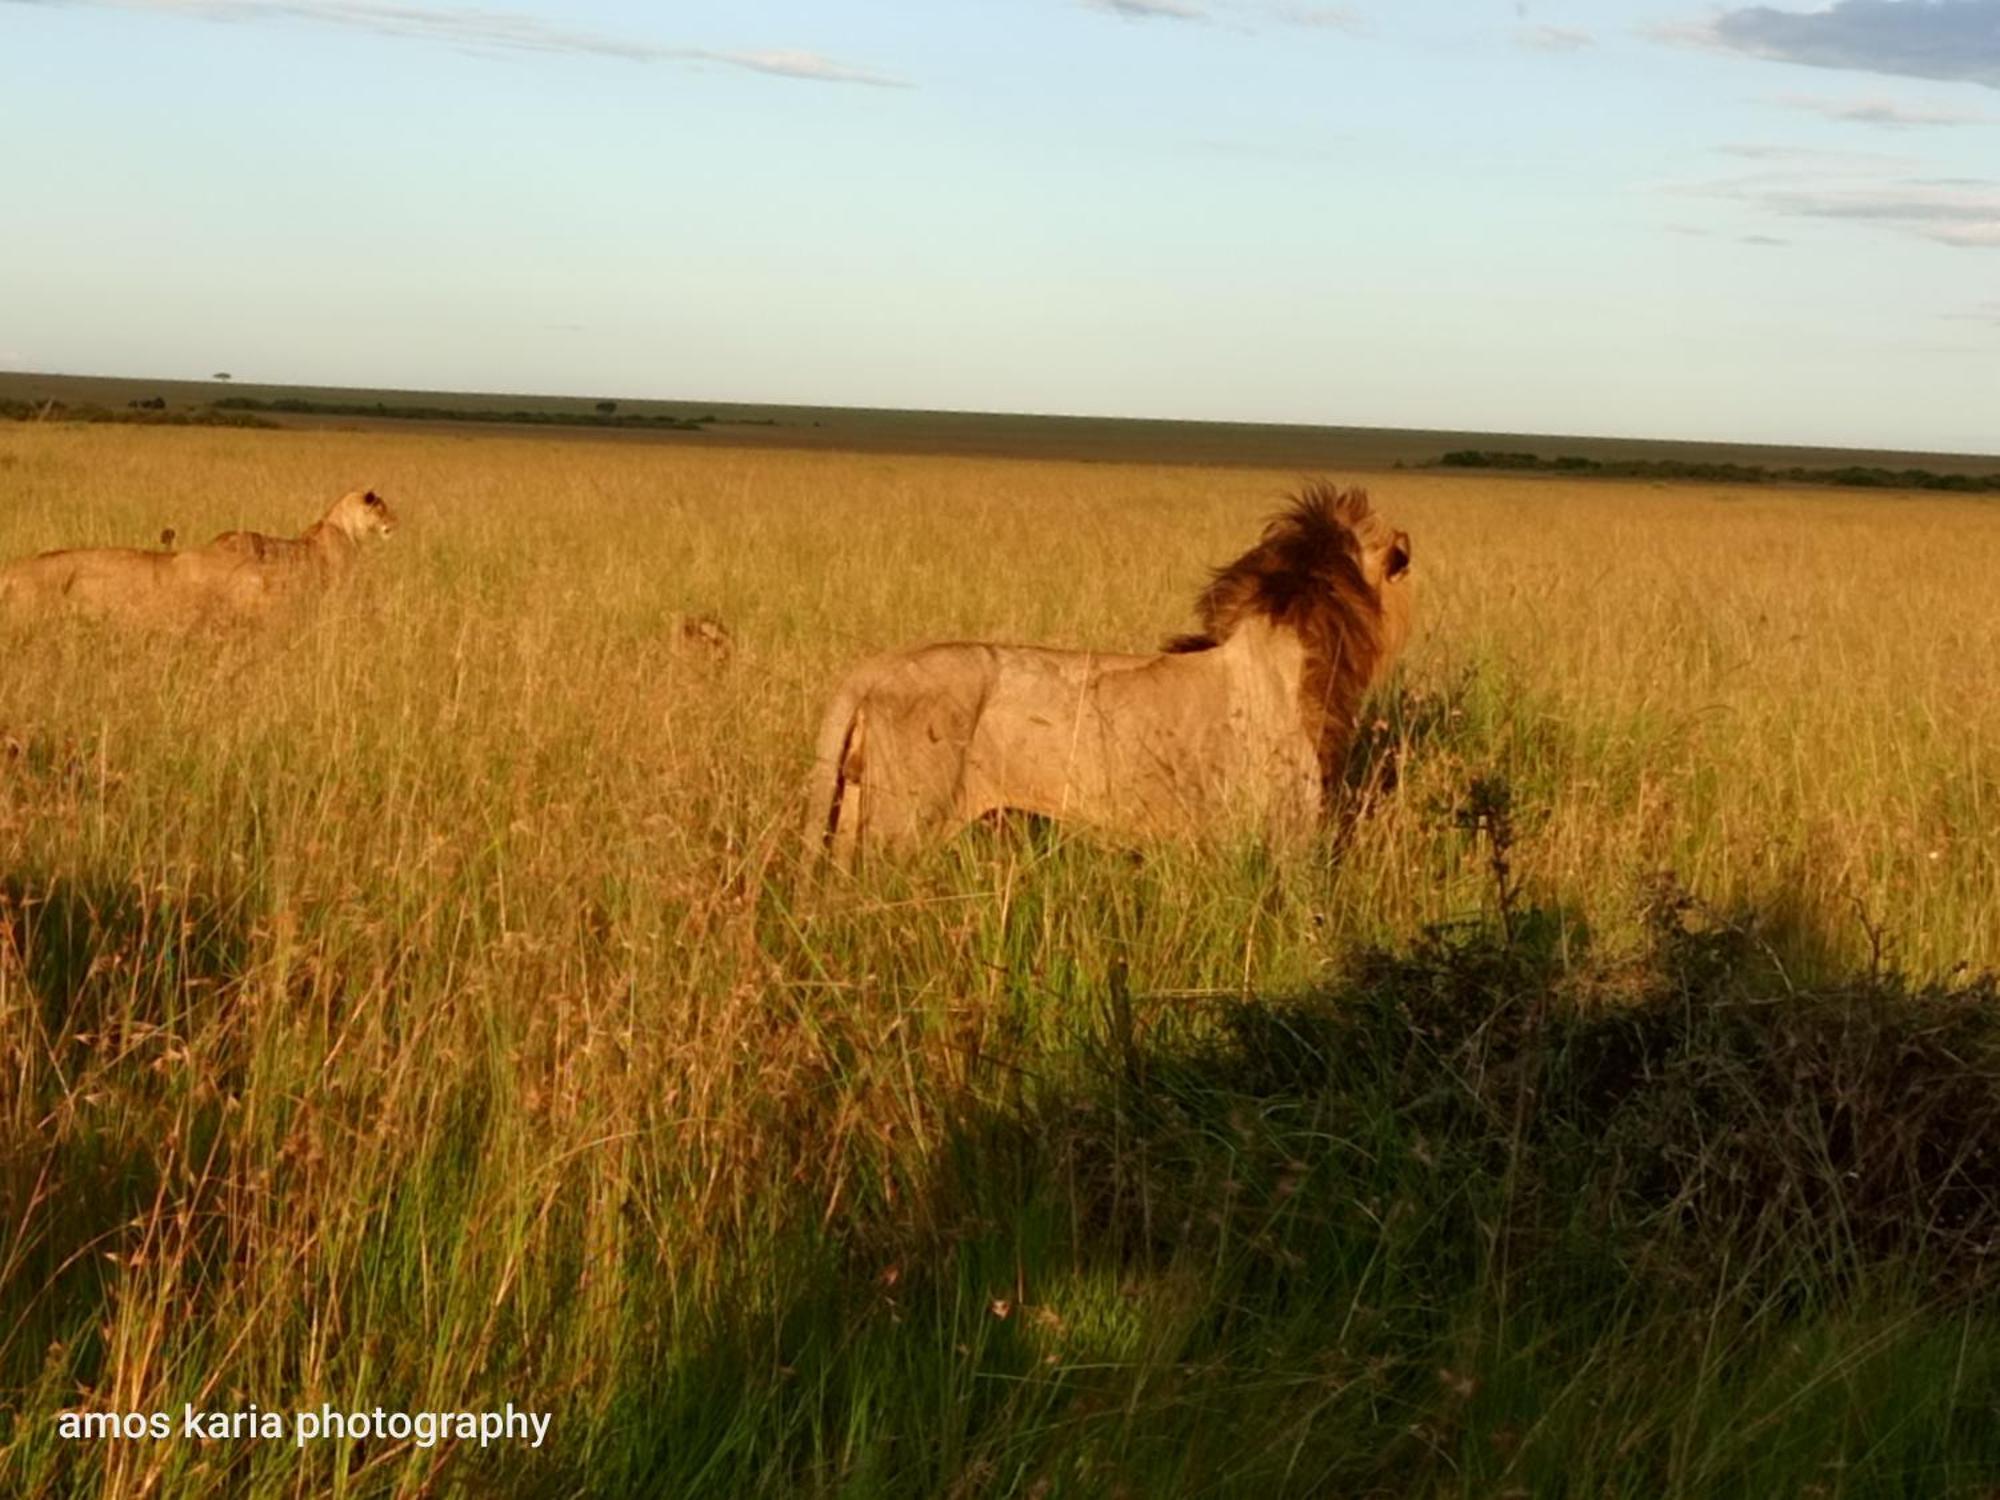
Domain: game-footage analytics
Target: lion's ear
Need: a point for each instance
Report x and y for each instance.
(1399, 557)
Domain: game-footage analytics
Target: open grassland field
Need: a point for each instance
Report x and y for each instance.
(418, 1002)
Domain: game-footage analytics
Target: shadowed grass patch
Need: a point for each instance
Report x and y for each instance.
(1477, 1218)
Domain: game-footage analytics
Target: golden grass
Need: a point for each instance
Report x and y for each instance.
(413, 1000)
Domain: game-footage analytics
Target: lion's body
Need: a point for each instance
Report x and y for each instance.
(1242, 726)
(922, 742)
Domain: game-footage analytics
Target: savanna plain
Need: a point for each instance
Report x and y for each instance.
(420, 1000)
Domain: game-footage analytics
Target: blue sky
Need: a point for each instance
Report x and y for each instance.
(1646, 217)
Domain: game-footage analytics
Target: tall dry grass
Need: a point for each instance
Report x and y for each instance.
(415, 1003)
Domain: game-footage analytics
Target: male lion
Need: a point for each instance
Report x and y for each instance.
(329, 543)
(1249, 720)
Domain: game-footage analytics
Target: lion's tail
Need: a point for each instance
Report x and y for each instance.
(833, 801)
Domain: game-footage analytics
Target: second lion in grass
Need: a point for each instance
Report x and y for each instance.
(329, 544)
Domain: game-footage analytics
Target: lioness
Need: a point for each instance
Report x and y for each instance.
(133, 582)
(328, 543)
(240, 572)
(1248, 720)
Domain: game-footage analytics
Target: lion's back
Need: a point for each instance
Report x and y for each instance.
(925, 695)
(1001, 727)
(255, 546)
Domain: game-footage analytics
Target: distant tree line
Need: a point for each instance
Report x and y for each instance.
(243, 411)
(151, 413)
(299, 406)
(1854, 476)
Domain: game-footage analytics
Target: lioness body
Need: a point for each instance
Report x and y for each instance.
(130, 581)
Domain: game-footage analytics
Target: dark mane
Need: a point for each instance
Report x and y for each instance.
(1305, 576)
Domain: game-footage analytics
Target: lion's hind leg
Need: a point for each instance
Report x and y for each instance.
(890, 761)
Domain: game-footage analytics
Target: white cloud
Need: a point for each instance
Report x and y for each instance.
(1983, 236)
(1553, 38)
(500, 30)
(1962, 212)
(1150, 10)
(1817, 157)
(1239, 15)
(1322, 18)
(1885, 112)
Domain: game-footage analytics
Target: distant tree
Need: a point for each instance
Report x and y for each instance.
(221, 375)
(607, 407)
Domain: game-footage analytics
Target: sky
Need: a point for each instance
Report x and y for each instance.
(1764, 223)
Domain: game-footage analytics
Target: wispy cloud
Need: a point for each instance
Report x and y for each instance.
(1742, 239)
(1150, 10)
(1239, 15)
(1553, 38)
(485, 29)
(1321, 18)
(1963, 216)
(1817, 157)
(1962, 213)
(1683, 33)
(1957, 40)
(1986, 312)
(1875, 187)
(1885, 112)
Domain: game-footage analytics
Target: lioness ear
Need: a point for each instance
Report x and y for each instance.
(371, 498)
(1399, 556)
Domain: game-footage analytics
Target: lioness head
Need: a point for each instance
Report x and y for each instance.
(362, 513)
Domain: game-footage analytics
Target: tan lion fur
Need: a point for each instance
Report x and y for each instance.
(239, 573)
(135, 584)
(1247, 722)
(329, 543)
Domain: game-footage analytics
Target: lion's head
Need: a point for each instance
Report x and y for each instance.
(361, 513)
(1335, 573)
